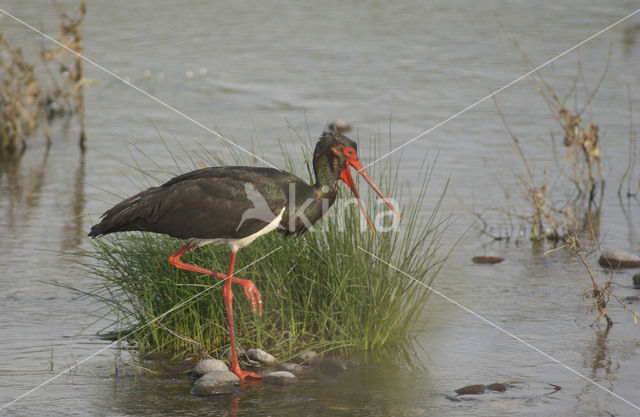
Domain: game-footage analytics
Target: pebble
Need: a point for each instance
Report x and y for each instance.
(487, 259)
(215, 383)
(333, 365)
(474, 389)
(616, 259)
(242, 354)
(289, 367)
(262, 357)
(340, 126)
(308, 357)
(279, 378)
(208, 365)
(497, 386)
(477, 389)
(636, 281)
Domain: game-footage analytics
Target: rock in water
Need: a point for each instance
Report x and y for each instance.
(216, 382)
(262, 357)
(487, 259)
(477, 389)
(279, 378)
(472, 389)
(208, 365)
(616, 259)
(339, 126)
(289, 367)
(307, 357)
(497, 386)
(239, 350)
(333, 365)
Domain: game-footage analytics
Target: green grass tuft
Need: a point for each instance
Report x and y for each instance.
(320, 291)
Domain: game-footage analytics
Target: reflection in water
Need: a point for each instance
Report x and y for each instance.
(591, 221)
(21, 190)
(233, 409)
(23, 194)
(599, 361)
(629, 36)
(368, 389)
(72, 229)
(626, 211)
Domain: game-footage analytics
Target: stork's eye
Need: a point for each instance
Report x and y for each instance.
(349, 152)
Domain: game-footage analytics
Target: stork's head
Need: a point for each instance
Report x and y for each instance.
(341, 153)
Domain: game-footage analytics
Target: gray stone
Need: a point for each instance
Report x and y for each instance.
(477, 389)
(308, 357)
(215, 382)
(498, 386)
(487, 259)
(339, 126)
(208, 365)
(333, 365)
(279, 378)
(616, 259)
(242, 354)
(474, 389)
(636, 281)
(289, 367)
(261, 356)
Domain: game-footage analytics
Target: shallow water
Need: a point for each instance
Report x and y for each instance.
(261, 74)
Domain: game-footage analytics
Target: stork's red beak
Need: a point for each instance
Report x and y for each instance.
(348, 179)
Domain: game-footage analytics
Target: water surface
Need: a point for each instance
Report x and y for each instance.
(261, 75)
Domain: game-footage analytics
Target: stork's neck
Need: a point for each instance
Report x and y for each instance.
(326, 178)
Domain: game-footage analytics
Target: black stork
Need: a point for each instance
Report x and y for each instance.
(236, 205)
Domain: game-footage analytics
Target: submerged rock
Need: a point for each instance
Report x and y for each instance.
(242, 356)
(487, 259)
(474, 389)
(636, 281)
(289, 367)
(261, 356)
(308, 357)
(497, 386)
(208, 365)
(616, 259)
(242, 353)
(333, 365)
(477, 389)
(215, 383)
(631, 298)
(279, 378)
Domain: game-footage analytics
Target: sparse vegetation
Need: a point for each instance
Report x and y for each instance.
(20, 99)
(26, 101)
(566, 199)
(601, 294)
(570, 207)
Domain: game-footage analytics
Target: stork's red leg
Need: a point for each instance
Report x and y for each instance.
(227, 293)
(249, 288)
(250, 291)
